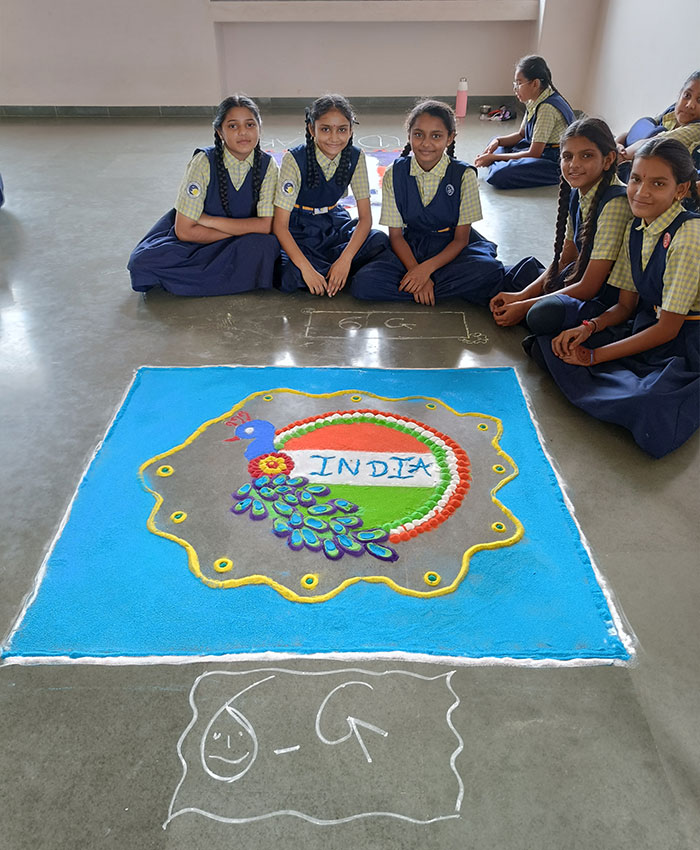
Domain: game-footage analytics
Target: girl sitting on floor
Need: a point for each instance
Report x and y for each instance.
(429, 201)
(644, 376)
(530, 157)
(217, 240)
(592, 216)
(679, 121)
(322, 246)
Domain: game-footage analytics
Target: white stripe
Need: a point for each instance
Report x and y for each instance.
(389, 469)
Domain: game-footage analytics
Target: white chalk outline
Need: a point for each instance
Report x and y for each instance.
(353, 722)
(344, 314)
(303, 816)
(624, 629)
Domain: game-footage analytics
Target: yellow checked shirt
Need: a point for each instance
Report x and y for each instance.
(549, 124)
(428, 183)
(611, 226)
(681, 284)
(687, 134)
(289, 181)
(193, 189)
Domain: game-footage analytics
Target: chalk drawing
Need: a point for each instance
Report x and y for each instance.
(345, 734)
(386, 324)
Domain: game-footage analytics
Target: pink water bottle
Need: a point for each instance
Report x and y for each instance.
(462, 96)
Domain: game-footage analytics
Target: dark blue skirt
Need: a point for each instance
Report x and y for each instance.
(226, 267)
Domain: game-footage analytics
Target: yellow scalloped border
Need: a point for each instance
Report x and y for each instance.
(193, 559)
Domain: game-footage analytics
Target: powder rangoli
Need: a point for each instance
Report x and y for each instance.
(311, 493)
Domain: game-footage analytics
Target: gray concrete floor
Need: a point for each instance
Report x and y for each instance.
(577, 758)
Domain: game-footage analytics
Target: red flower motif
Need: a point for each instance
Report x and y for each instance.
(273, 463)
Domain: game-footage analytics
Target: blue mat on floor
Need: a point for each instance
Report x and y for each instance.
(111, 588)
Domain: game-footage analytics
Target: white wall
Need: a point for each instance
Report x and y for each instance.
(107, 52)
(382, 59)
(643, 52)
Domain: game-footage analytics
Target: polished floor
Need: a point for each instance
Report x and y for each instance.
(596, 757)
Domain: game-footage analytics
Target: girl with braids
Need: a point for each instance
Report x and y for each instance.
(644, 375)
(322, 246)
(530, 157)
(217, 239)
(429, 201)
(679, 121)
(592, 216)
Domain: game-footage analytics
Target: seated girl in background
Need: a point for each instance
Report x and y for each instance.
(530, 157)
(680, 121)
(429, 201)
(644, 376)
(322, 246)
(592, 216)
(217, 240)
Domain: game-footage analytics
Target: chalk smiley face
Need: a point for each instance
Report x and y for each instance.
(229, 744)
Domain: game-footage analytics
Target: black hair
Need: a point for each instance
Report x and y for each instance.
(597, 132)
(222, 110)
(693, 78)
(679, 160)
(536, 68)
(437, 109)
(322, 105)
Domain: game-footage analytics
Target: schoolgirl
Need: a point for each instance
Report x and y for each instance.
(217, 239)
(322, 246)
(530, 157)
(429, 201)
(644, 376)
(679, 121)
(592, 215)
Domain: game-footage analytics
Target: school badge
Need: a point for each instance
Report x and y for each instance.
(288, 187)
(194, 190)
(450, 189)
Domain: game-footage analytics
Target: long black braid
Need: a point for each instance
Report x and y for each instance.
(680, 162)
(236, 100)
(599, 134)
(314, 113)
(437, 109)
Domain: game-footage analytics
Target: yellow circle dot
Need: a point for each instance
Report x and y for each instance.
(483, 426)
(499, 468)
(178, 516)
(164, 471)
(432, 579)
(355, 398)
(267, 398)
(309, 581)
(223, 565)
(431, 406)
(498, 526)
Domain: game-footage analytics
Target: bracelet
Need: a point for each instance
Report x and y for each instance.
(588, 322)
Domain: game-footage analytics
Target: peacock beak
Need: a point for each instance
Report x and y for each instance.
(232, 440)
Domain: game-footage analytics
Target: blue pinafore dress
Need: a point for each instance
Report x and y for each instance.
(474, 274)
(570, 311)
(654, 394)
(226, 267)
(321, 227)
(530, 171)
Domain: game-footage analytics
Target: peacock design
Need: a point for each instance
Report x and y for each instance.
(322, 491)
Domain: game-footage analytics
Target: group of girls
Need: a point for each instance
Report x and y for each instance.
(614, 316)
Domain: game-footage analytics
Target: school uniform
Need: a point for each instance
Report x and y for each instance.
(558, 311)
(667, 125)
(545, 120)
(229, 266)
(319, 225)
(656, 393)
(428, 205)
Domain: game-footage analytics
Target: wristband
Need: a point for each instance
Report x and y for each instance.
(592, 322)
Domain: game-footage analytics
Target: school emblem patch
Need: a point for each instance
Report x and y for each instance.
(667, 240)
(288, 187)
(450, 189)
(194, 190)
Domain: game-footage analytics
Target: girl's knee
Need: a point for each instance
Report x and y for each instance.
(546, 316)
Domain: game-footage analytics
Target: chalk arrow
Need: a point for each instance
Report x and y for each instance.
(353, 722)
